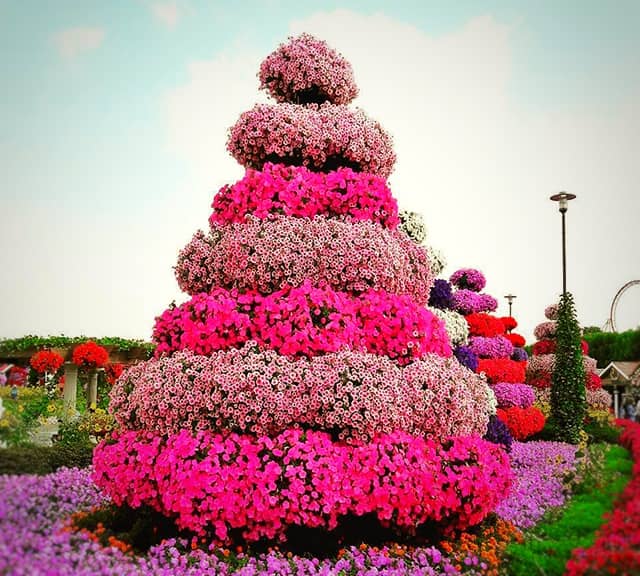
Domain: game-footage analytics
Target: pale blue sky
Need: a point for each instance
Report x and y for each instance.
(99, 146)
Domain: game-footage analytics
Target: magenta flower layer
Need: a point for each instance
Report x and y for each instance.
(302, 321)
(491, 347)
(216, 483)
(508, 395)
(468, 279)
(267, 255)
(542, 475)
(322, 137)
(297, 191)
(469, 302)
(354, 394)
(305, 70)
(545, 330)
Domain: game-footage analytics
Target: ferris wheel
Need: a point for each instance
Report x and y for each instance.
(611, 323)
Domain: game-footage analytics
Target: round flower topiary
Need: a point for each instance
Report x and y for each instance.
(306, 70)
(46, 361)
(90, 355)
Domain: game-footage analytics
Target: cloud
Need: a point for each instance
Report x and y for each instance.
(74, 41)
(479, 166)
(166, 13)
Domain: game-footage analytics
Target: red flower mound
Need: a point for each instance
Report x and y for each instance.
(541, 380)
(594, 382)
(546, 346)
(113, 372)
(515, 339)
(46, 361)
(522, 422)
(482, 324)
(617, 546)
(502, 370)
(509, 322)
(90, 355)
(215, 483)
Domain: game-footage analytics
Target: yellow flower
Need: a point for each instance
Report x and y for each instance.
(51, 408)
(20, 408)
(4, 423)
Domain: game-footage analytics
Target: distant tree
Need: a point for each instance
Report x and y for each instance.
(591, 330)
(568, 398)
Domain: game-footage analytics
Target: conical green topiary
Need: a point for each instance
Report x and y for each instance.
(568, 398)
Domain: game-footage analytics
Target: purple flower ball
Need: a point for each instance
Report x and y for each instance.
(440, 296)
(466, 357)
(498, 433)
(519, 355)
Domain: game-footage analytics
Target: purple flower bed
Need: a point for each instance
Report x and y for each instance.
(34, 509)
(542, 471)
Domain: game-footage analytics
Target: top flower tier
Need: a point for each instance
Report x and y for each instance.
(306, 70)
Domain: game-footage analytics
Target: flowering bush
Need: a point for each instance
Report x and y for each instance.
(515, 339)
(597, 400)
(46, 361)
(522, 422)
(510, 323)
(441, 296)
(266, 255)
(90, 355)
(498, 433)
(466, 357)
(297, 191)
(260, 486)
(484, 325)
(306, 69)
(302, 321)
(540, 381)
(437, 260)
(113, 372)
(455, 325)
(519, 355)
(549, 347)
(494, 347)
(468, 278)
(551, 312)
(322, 137)
(594, 382)
(545, 330)
(17, 376)
(502, 370)
(412, 224)
(543, 473)
(544, 363)
(509, 395)
(354, 394)
(469, 302)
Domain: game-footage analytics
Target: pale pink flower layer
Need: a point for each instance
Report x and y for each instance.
(598, 399)
(356, 395)
(545, 363)
(322, 137)
(302, 321)
(267, 255)
(305, 69)
(215, 483)
(297, 191)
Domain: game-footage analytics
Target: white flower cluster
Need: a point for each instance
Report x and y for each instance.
(455, 325)
(412, 224)
(492, 401)
(437, 260)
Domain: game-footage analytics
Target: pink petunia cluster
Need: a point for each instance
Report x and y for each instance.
(306, 69)
(354, 394)
(322, 137)
(511, 394)
(540, 364)
(468, 279)
(267, 255)
(469, 302)
(297, 191)
(491, 347)
(214, 483)
(302, 321)
(545, 330)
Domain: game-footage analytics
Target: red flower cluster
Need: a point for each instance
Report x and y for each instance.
(515, 339)
(541, 380)
(502, 370)
(482, 324)
(17, 376)
(90, 355)
(46, 361)
(522, 422)
(548, 346)
(509, 322)
(594, 382)
(617, 547)
(113, 372)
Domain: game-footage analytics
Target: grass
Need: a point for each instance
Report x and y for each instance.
(547, 547)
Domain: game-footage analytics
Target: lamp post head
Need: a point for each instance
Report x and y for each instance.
(510, 297)
(563, 199)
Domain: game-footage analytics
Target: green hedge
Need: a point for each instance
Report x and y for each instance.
(607, 347)
(44, 459)
(29, 342)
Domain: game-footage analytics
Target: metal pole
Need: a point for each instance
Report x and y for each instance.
(509, 307)
(564, 255)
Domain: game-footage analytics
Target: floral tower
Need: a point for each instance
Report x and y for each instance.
(303, 382)
(540, 369)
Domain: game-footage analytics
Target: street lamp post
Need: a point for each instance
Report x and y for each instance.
(563, 199)
(510, 298)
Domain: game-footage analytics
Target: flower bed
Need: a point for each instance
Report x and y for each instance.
(502, 370)
(322, 138)
(469, 302)
(214, 483)
(522, 422)
(297, 191)
(484, 325)
(508, 394)
(267, 255)
(495, 347)
(357, 395)
(302, 321)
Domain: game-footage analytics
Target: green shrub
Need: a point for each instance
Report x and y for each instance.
(607, 347)
(44, 459)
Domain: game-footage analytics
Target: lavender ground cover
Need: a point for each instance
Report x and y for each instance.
(34, 509)
(542, 475)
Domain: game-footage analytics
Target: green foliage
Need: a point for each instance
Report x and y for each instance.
(568, 396)
(71, 434)
(43, 459)
(608, 347)
(23, 414)
(599, 432)
(547, 547)
(591, 330)
(30, 342)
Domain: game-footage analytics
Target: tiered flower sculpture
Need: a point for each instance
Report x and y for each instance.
(540, 371)
(304, 381)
